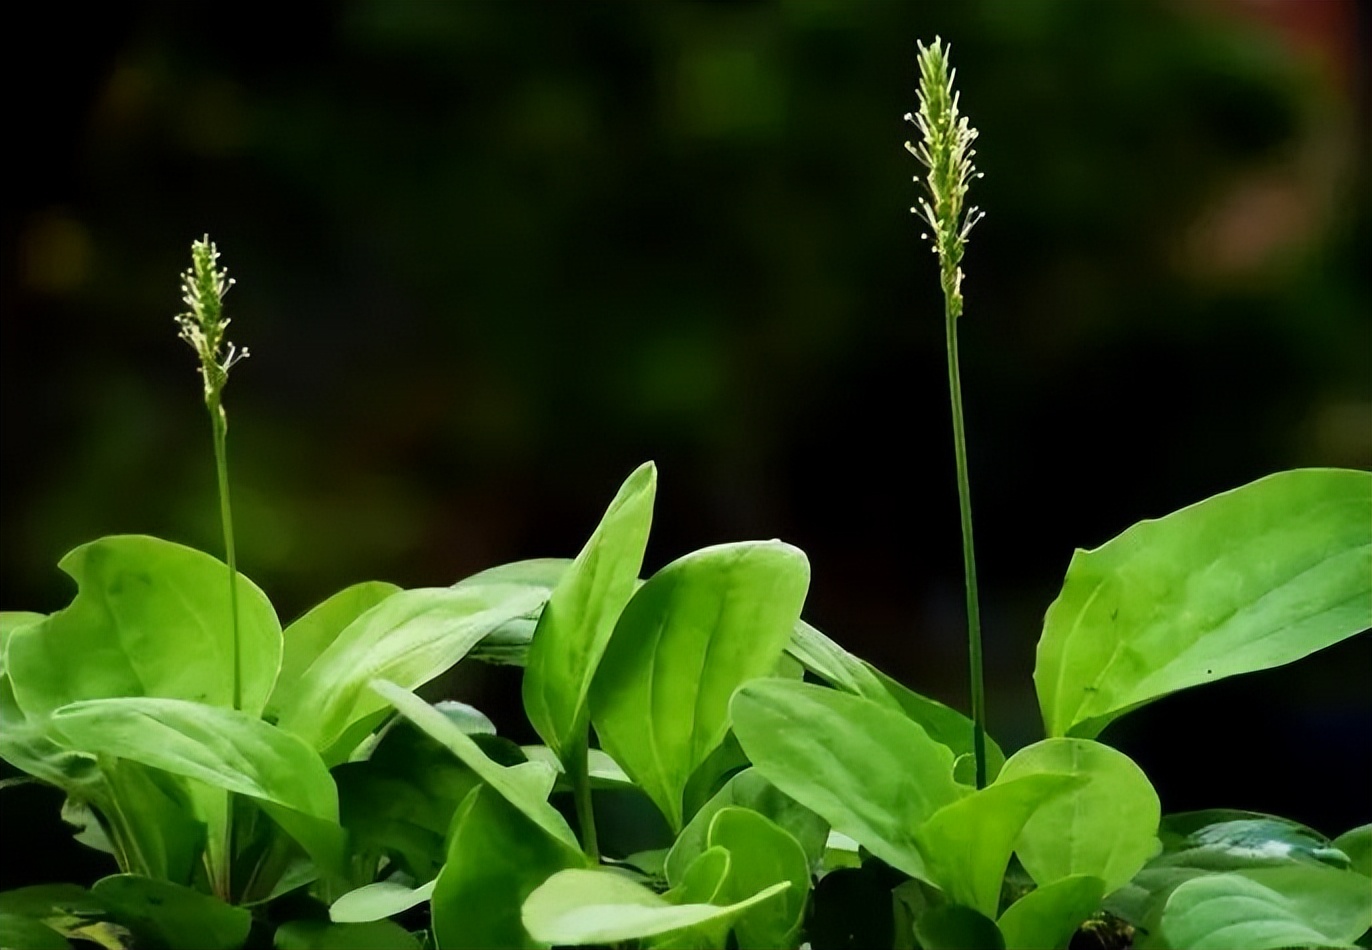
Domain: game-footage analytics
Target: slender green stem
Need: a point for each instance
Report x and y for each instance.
(220, 424)
(952, 308)
(578, 769)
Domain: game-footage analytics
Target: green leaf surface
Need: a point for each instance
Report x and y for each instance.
(157, 824)
(1107, 827)
(748, 789)
(1048, 916)
(378, 901)
(581, 614)
(1198, 843)
(25, 933)
(322, 935)
(66, 909)
(954, 927)
(169, 915)
(1247, 580)
(832, 752)
(150, 618)
(518, 792)
(305, 639)
(1357, 845)
(844, 671)
(703, 880)
(497, 856)
(762, 854)
(223, 749)
(12, 620)
(508, 644)
(967, 843)
(579, 907)
(1231, 912)
(693, 633)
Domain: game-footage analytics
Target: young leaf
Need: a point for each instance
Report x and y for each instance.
(692, 634)
(306, 638)
(579, 907)
(1247, 580)
(967, 844)
(503, 781)
(497, 856)
(748, 789)
(169, 915)
(1231, 912)
(378, 901)
(762, 853)
(1106, 827)
(409, 638)
(581, 613)
(1047, 917)
(150, 618)
(833, 753)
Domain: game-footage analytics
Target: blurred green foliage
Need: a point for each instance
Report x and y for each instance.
(492, 255)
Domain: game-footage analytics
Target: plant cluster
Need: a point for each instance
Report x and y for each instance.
(261, 786)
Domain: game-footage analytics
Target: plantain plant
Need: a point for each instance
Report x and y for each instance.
(713, 772)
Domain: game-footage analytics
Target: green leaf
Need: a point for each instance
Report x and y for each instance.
(1247, 580)
(224, 749)
(1224, 911)
(1202, 842)
(322, 935)
(748, 789)
(508, 644)
(967, 843)
(169, 915)
(409, 638)
(1357, 844)
(501, 780)
(581, 613)
(844, 671)
(150, 618)
(693, 633)
(578, 907)
(304, 640)
(378, 901)
(25, 933)
(762, 853)
(155, 821)
(497, 856)
(953, 927)
(833, 753)
(12, 620)
(702, 881)
(1048, 916)
(66, 909)
(1106, 827)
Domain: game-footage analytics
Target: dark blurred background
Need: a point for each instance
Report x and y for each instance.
(492, 255)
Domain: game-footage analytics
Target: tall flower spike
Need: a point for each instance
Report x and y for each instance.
(203, 288)
(945, 149)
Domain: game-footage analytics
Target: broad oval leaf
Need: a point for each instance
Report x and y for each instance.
(1247, 580)
(1106, 827)
(761, 854)
(150, 618)
(378, 901)
(578, 907)
(955, 927)
(497, 856)
(323, 935)
(580, 616)
(409, 638)
(693, 633)
(1047, 917)
(833, 753)
(1231, 912)
(309, 636)
(518, 791)
(169, 915)
(967, 843)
